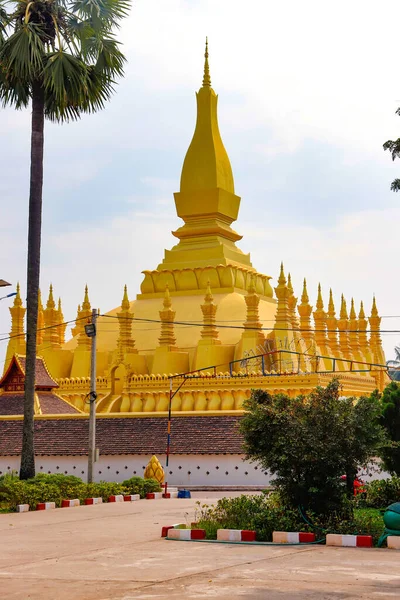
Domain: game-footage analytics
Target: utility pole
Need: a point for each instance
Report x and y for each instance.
(91, 332)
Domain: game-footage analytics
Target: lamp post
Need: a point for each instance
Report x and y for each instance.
(91, 332)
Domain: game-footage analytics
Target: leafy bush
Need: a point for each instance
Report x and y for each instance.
(309, 442)
(135, 485)
(380, 493)
(151, 485)
(248, 512)
(264, 514)
(390, 419)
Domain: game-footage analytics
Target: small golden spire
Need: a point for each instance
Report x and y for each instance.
(86, 302)
(125, 300)
(320, 302)
(361, 314)
(208, 297)
(304, 295)
(167, 297)
(282, 278)
(18, 299)
(374, 310)
(289, 283)
(343, 309)
(331, 305)
(50, 300)
(206, 77)
(352, 310)
(252, 286)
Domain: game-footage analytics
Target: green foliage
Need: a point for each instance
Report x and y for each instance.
(66, 47)
(390, 402)
(135, 485)
(265, 514)
(248, 512)
(380, 493)
(394, 148)
(309, 442)
(151, 485)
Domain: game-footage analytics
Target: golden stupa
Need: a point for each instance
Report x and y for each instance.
(207, 306)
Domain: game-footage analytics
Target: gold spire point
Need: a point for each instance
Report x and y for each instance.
(208, 296)
(282, 278)
(374, 310)
(320, 302)
(252, 286)
(18, 299)
(352, 310)
(59, 304)
(289, 283)
(206, 76)
(331, 305)
(361, 314)
(304, 295)
(86, 297)
(50, 300)
(343, 309)
(125, 300)
(167, 297)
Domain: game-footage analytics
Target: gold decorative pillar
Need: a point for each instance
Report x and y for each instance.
(252, 341)
(16, 344)
(321, 338)
(51, 337)
(375, 341)
(362, 336)
(354, 340)
(283, 332)
(61, 325)
(305, 309)
(167, 316)
(126, 343)
(40, 321)
(81, 359)
(343, 326)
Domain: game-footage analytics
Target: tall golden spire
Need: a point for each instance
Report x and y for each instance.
(331, 323)
(375, 341)
(209, 332)
(125, 316)
(51, 336)
(16, 344)
(206, 77)
(62, 326)
(167, 316)
(40, 320)
(343, 326)
(83, 317)
(362, 335)
(354, 339)
(305, 310)
(320, 324)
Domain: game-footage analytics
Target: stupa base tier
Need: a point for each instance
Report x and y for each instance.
(222, 279)
(208, 394)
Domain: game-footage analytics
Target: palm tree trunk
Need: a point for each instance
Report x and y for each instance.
(27, 469)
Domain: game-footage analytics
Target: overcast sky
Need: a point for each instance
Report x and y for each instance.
(307, 96)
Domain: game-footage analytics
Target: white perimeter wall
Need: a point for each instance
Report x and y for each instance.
(183, 470)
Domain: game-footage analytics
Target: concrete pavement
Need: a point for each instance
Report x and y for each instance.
(114, 551)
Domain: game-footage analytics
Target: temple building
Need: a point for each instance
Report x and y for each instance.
(206, 309)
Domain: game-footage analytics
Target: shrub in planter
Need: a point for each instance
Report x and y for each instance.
(104, 489)
(135, 485)
(151, 485)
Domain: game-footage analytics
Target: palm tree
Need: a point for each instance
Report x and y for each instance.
(61, 55)
(394, 365)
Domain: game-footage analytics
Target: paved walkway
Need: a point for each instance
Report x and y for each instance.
(114, 552)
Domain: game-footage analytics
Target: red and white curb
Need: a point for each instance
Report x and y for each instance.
(154, 495)
(45, 505)
(117, 498)
(131, 497)
(93, 501)
(186, 534)
(236, 535)
(352, 541)
(23, 508)
(393, 541)
(70, 503)
(292, 537)
(166, 529)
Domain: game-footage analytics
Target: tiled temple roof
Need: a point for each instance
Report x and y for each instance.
(43, 378)
(146, 435)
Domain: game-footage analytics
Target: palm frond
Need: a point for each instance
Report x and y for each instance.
(395, 185)
(22, 53)
(64, 77)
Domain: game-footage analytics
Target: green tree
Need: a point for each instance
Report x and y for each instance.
(394, 148)
(390, 402)
(307, 443)
(62, 56)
